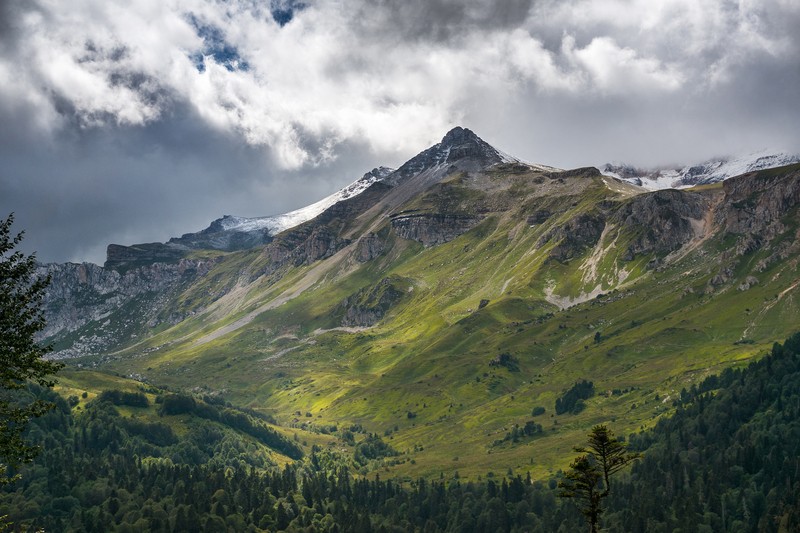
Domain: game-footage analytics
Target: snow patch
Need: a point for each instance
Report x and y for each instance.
(275, 224)
(711, 171)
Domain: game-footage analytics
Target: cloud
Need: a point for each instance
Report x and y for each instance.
(612, 69)
(109, 103)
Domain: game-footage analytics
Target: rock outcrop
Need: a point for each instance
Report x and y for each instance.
(321, 237)
(433, 228)
(575, 236)
(219, 236)
(459, 148)
(80, 294)
(368, 248)
(369, 305)
(756, 202)
(661, 220)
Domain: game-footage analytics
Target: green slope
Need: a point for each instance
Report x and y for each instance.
(536, 287)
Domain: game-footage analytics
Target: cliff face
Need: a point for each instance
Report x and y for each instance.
(662, 220)
(433, 228)
(80, 294)
(759, 207)
(575, 236)
(368, 306)
(460, 148)
(218, 237)
(321, 237)
(755, 203)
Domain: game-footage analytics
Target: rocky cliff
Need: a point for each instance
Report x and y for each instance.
(83, 294)
(433, 228)
(368, 306)
(661, 221)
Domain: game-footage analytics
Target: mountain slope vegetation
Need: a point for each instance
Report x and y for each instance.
(727, 460)
(390, 309)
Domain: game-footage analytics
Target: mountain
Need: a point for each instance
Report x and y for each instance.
(711, 171)
(453, 303)
(237, 233)
(231, 233)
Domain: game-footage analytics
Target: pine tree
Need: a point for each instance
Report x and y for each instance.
(589, 476)
(21, 358)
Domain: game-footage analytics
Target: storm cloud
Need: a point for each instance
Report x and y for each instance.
(138, 121)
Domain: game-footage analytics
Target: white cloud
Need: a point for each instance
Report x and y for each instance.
(357, 82)
(617, 70)
(320, 77)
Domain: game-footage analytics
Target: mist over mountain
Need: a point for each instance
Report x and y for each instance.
(711, 171)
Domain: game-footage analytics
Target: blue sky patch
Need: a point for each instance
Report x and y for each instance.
(217, 47)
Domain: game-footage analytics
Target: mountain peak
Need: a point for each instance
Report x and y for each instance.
(459, 135)
(459, 148)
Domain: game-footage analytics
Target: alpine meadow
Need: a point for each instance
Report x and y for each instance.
(468, 342)
(465, 319)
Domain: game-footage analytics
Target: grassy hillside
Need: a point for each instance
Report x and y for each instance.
(552, 276)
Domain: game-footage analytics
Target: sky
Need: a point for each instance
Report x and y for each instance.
(135, 121)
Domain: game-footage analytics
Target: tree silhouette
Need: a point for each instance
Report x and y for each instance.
(589, 476)
(21, 358)
(581, 482)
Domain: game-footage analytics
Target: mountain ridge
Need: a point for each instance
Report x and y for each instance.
(707, 172)
(388, 309)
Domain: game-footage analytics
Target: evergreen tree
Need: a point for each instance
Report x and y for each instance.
(21, 358)
(589, 476)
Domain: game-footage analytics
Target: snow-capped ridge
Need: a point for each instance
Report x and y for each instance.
(275, 224)
(711, 171)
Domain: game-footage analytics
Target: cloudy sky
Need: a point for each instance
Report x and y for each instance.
(138, 120)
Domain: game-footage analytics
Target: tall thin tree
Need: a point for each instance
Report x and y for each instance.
(589, 476)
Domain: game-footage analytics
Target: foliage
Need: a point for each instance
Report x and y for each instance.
(21, 358)
(572, 400)
(589, 476)
(506, 360)
(176, 404)
(95, 474)
(581, 482)
(372, 447)
(728, 460)
(118, 397)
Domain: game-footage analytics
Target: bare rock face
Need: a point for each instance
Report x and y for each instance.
(539, 217)
(661, 220)
(369, 305)
(118, 256)
(80, 294)
(218, 237)
(368, 248)
(575, 236)
(303, 246)
(321, 244)
(320, 238)
(433, 228)
(756, 202)
(459, 148)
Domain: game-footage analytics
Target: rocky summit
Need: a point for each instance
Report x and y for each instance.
(441, 304)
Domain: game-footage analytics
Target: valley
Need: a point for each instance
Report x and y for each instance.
(447, 302)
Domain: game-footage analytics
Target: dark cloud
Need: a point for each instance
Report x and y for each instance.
(440, 20)
(84, 189)
(10, 11)
(142, 124)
